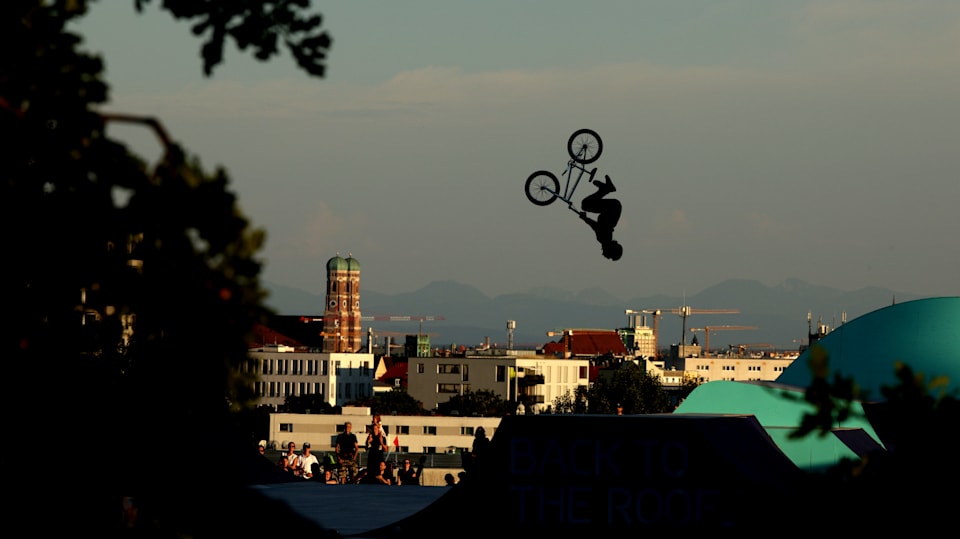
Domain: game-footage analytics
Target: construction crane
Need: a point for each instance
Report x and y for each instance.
(403, 318)
(372, 332)
(707, 329)
(383, 318)
(686, 311)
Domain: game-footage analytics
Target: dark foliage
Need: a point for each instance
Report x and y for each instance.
(393, 402)
(132, 289)
(483, 403)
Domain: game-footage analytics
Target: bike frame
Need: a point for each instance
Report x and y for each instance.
(571, 183)
(543, 187)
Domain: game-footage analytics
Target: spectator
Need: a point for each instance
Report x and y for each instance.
(328, 478)
(284, 464)
(390, 473)
(480, 445)
(262, 447)
(379, 477)
(449, 479)
(293, 459)
(347, 449)
(376, 447)
(309, 465)
(407, 475)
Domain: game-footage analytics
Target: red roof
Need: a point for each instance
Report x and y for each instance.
(395, 369)
(588, 342)
(264, 335)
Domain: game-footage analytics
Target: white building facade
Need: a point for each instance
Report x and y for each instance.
(534, 380)
(338, 377)
(412, 434)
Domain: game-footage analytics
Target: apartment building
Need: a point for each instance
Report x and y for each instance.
(535, 380)
(284, 371)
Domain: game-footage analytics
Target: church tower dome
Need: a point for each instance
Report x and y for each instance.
(341, 313)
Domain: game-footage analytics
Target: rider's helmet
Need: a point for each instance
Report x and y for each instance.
(612, 250)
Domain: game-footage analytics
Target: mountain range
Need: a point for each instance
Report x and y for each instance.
(779, 313)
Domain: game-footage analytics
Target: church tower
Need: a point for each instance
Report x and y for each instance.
(341, 315)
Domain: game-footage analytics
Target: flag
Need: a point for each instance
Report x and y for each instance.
(396, 442)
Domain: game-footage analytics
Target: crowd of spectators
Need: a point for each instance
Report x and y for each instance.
(342, 466)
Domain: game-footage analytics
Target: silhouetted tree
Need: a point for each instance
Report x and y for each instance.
(100, 244)
(483, 403)
(572, 402)
(632, 387)
(313, 403)
(885, 488)
(396, 401)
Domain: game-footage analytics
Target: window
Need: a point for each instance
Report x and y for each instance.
(336, 367)
(466, 373)
(466, 431)
(502, 373)
(403, 429)
(286, 427)
(325, 367)
(419, 368)
(432, 431)
(448, 368)
(448, 388)
(583, 372)
(429, 450)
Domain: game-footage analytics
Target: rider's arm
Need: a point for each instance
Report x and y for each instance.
(589, 221)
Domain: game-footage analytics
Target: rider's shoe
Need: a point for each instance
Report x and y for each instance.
(592, 174)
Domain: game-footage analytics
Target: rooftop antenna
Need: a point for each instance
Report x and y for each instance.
(511, 325)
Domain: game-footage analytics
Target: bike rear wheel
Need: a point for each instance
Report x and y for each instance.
(542, 188)
(585, 146)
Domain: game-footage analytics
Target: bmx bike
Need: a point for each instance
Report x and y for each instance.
(543, 187)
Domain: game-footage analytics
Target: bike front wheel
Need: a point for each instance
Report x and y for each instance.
(585, 146)
(542, 188)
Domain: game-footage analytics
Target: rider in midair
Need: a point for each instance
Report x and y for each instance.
(608, 214)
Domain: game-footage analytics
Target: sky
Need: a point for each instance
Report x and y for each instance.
(748, 139)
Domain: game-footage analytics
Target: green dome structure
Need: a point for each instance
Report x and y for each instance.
(924, 334)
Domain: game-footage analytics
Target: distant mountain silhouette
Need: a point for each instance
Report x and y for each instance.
(471, 317)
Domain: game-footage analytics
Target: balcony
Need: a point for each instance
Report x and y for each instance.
(532, 380)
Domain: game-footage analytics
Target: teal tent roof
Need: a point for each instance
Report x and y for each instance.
(923, 334)
(779, 410)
